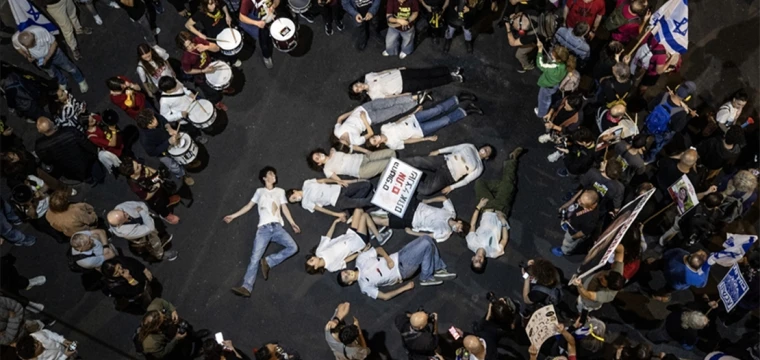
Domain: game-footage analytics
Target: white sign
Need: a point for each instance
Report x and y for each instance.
(542, 325)
(396, 187)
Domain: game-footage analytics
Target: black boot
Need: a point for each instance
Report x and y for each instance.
(468, 44)
(472, 109)
(466, 96)
(446, 46)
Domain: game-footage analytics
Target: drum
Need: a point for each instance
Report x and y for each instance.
(202, 114)
(299, 6)
(221, 78)
(284, 34)
(184, 152)
(230, 41)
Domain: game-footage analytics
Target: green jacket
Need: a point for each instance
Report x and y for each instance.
(158, 345)
(553, 72)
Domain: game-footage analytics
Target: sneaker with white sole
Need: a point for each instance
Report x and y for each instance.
(379, 213)
(156, 31)
(170, 255)
(34, 307)
(402, 55)
(83, 87)
(237, 63)
(98, 20)
(384, 237)
(545, 138)
(444, 275)
(268, 63)
(553, 157)
(535, 111)
(385, 53)
(114, 5)
(431, 282)
(36, 281)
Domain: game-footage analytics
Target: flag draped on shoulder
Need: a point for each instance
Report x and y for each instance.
(27, 14)
(670, 25)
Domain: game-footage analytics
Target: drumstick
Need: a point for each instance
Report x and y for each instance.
(234, 38)
(192, 105)
(213, 39)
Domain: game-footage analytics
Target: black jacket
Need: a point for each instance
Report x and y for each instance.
(69, 152)
(420, 345)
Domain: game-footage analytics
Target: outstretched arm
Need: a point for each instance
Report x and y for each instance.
(228, 219)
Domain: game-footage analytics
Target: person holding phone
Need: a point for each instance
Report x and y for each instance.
(220, 349)
(45, 344)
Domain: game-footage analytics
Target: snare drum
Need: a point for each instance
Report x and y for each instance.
(284, 34)
(184, 152)
(219, 79)
(299, 6)
(202, 114)
(230, 41)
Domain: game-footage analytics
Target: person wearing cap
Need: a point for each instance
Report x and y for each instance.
(674, 102)
(39, 47)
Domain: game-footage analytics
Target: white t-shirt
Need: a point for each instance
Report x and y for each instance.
(487, 236)
(341, 163)
(434, 220)
(398, 132)
(269, 203)
(335, 251)
(316, 194)
(384, 84)
(374, 272)
(354, 126)
(42, 41)
(726, 114)
(159, 72)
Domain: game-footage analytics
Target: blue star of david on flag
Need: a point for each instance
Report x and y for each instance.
(670, 26)
(26, 14)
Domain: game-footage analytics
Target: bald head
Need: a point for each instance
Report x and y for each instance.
(589, 199)
(45, 126)
(617, 111)
(27, 39)
(116, 217)
(418, 320)
(473, 344)
(689, 157)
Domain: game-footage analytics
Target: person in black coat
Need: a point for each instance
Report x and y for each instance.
(68, 152)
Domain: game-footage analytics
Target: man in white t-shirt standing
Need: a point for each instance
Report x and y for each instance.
(422, 219)
(317, 194)
(39, 47)
(490, 238)
(375, 268)
(456, 166)
(272, 205)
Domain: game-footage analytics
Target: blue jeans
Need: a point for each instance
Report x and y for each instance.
(272, 232)
(392, 38)
(60, 63)
(10, 233)
(421, 252)
(262, 36)
(439, 116)
(381, 110)
(545, 99)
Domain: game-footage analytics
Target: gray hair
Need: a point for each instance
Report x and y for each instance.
(743, 182)
(81, 242)
(694, 320)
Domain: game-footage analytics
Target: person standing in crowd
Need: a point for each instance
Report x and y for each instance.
(67, 110)
(717, 153)
(682, 270)
(147, 183)
(8, 223)
(90, 248)
(584, 11)
(602, 287)
(70, 218)
(39, 47)
(372, 272)
(132, 221)
(106, 136)
(463, 14)
(669, 115)
(152, 65)
(176, 101)
(196, 61)
(451, 167)
(563, 118)
(346, 341)
(68, 152)
(401, 16)
(128, 281)
(164, 335)
(553, 72)
(541, 287)
(213, 16)
(316, 194)
(614, 90)
(272, 205)
(419, 333)
(64, 13)
(255, 17)
(659, 61)
(332, 12)
(44, 344)
(363, 13)
(138, 14)
(156, 138)
(490, 238)
(521, 34)
(126, 95)
(628, 20)
(394, 82)
(579, 220)
(574, 39)
(728, 113)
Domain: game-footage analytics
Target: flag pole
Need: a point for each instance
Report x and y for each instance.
(641, 39)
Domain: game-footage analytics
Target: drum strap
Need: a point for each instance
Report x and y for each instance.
(163, 94)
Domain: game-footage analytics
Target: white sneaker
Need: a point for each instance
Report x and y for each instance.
(83, 87)
(545, 138)
(156, 31)
(385, 53)
(34, 307)
(384, 237)
(268, 63)
(98, 20)
(379, 213)
(36, 281)
(237, 63)
(553, 157)
(114, 5)
(401, 55)
(535, 111)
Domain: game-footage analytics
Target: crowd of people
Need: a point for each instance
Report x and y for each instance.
(697, 172)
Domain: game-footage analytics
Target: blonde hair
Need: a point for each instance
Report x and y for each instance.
(561, 54)
(743, 182)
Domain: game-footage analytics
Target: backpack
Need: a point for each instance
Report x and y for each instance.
(553, 295)
(617, 19)
(570, 82)
(733, 207)
(548, 23)
(658, 120)
(72, 259)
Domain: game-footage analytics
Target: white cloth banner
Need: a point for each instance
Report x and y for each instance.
(27, 14)
(671, 25)
(736, 246)
(396, 187)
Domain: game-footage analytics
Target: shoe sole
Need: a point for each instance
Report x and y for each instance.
(445, 277)
(431, 283)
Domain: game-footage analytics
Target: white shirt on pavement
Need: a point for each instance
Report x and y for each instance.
(463, 162)
(334, 251)
(398, 132)
(374, 272)
(341, 163)
(487, 236)
(384, 84)
(354, 126)
(316, 194)
(434, 220)
(269, 203)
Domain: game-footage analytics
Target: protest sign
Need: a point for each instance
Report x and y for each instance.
(396, 187)
(542, 325)
(683, 195)
(732, 288)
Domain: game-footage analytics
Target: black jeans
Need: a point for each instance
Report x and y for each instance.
(332, 13)
(160, 202)
(437, 174)
(357, 195)
(211, 94)
(362, 29)
(414, 80)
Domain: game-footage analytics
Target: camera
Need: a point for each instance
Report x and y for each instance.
(182, 327)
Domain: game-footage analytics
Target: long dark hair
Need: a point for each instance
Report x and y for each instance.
(310, 161)
(362, 97)
(143, 49)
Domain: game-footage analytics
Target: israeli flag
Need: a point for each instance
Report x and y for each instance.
(27, 14)
(670, 25)
(735, 247)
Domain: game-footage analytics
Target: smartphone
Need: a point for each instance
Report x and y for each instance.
(454, 333)
(219, 338)
(526, 275)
